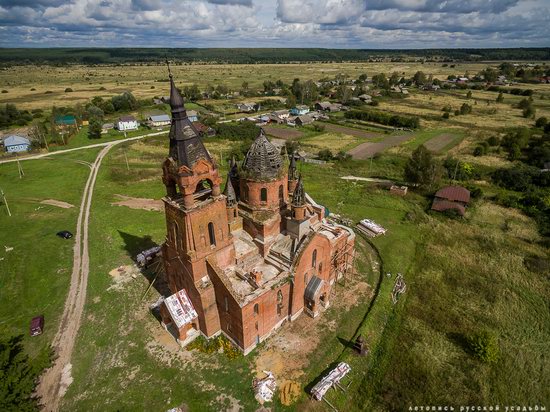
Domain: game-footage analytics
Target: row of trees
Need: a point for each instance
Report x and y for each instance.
(411, 122)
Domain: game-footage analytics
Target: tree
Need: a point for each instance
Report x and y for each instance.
(380, 80)
(419, 78)
(344, 93)
(500, 98)
(469, 94)
(17, 376)
(421, 168)
(94, 129)
(394, 79)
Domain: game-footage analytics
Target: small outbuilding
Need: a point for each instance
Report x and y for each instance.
(303, 120)
(15, 144)
(159, 120)
(451, 198)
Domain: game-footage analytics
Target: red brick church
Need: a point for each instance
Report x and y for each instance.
(244, 261)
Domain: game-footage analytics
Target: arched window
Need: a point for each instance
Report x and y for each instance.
(226, 303)
(256, 309)
(281, 194)
(263, 194)
(314, 259)
(245, 193)
(211, 233)
(279, 303)
(320, 268)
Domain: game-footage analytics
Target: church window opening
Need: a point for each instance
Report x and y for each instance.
(211, 234)
(263, 194)
(314, 259)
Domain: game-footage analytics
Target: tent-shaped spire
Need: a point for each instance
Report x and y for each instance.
(263, 160)
(185, 144)
(229, 192)
(298, 197)
(292, 167)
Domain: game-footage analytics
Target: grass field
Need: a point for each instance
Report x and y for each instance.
(35, 274)
(463, 275)
(148, 81)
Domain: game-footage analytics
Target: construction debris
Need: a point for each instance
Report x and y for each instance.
(399, 288)
(289, 392)
(264, 388)
(332, 379)
(145, 257)
(370, 228)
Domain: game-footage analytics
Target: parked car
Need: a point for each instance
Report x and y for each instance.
(37, 325)
(65, 234)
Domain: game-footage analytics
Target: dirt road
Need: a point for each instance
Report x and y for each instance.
(55, 380)
(91, 146)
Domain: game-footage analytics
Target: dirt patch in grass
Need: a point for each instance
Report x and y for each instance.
(296, 340)
(440, 142)
(139, 203)
(57, 203)
(364, 134)
(282, 133)
(122, 275)
(369, 149)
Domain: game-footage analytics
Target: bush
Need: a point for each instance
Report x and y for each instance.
(445, 115)
(465, 109)
(484, 345)
(541, 122)
(48, 92)
(493, 141)
(4, 91)
(529, 112)
(33, 89)
(325, 154)
(479, 151)
(68, 90)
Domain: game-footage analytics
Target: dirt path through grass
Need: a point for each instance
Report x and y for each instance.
(55, 380)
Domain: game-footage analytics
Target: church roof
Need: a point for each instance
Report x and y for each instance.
(298, 197)
(185, 144)
(263, 160)
(229, 192)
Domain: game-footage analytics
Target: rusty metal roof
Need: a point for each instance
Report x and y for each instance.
(454, 193)
(313, 288)
(440, 205)
(263, 160)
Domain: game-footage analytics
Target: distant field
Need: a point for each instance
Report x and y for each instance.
(369, 149)
(148, 81)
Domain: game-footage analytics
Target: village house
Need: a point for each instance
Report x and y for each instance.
(106, 127)
(125, 123)
(299, 110)
(16, 144)
(193, 115)
(451, 198)
(303, 120)
(365, 97)
(204, 130)
(246, 107)
(242, 262)
(328, 107)
(158, 120)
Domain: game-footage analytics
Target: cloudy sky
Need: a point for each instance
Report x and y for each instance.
(275, 23)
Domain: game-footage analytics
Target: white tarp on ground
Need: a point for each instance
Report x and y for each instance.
(371, 226)
(265, 388)
(180, 308)
(331, 379)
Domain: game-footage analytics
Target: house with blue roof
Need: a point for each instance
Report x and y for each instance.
(158, 120)
(299, 110)
(16, 144)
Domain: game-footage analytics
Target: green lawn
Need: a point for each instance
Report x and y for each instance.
(35, 274)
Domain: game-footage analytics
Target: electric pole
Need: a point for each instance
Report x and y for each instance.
(5, 201)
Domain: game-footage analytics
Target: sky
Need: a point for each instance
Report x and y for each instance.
(370, 24)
